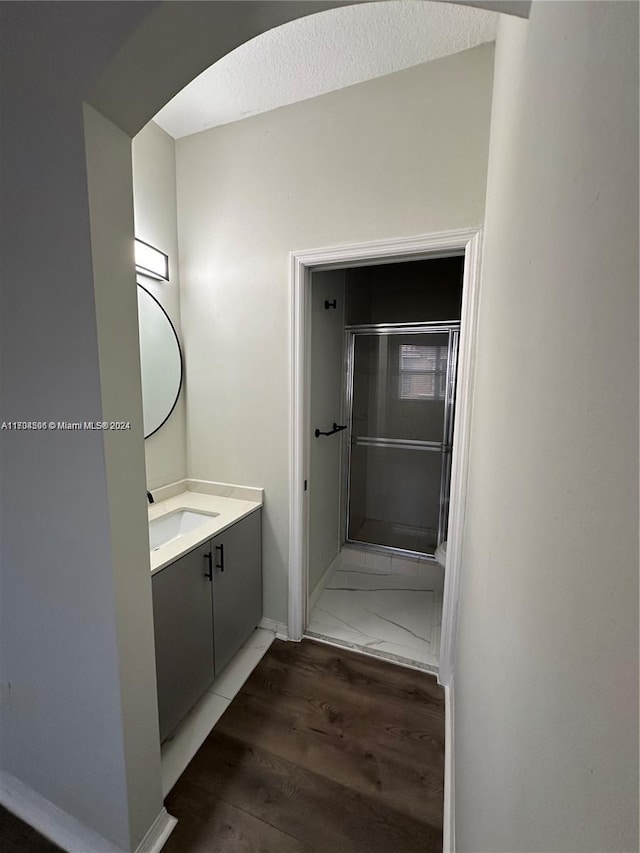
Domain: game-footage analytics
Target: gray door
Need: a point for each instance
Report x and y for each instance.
(237, 586)
(183, 627)
(402, 385)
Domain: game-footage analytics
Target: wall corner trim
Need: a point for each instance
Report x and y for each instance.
(279, 628)
(158, 833)
(449, 814)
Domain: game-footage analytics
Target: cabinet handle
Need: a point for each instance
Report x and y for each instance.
(220, 565)
(209, 573)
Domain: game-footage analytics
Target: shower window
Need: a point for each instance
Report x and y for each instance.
(423, 372)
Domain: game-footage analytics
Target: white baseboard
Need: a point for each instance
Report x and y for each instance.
(64, 830)
(48, 819)
(160, 830)
(324, 580)
(280, 628)
(449, 822)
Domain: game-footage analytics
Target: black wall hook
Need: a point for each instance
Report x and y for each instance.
(336, 428)
(328, 304)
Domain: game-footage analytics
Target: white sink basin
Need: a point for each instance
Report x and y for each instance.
(175, 524)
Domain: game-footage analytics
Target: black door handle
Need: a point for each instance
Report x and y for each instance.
(208, 558)
(220, 565)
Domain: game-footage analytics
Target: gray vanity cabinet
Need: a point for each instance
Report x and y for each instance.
(183, 627)
(237, 587)
(205, 605)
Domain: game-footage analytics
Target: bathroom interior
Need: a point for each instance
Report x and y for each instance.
(546, 664)
(217, 213)
(384, 345)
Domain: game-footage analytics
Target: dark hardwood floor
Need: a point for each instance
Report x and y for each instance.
(18, 837)
(322, 751)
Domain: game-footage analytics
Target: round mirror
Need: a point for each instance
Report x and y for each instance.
(160, 362)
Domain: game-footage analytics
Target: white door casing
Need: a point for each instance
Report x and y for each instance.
(465, 242)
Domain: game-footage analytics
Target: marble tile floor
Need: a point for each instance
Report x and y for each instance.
(182, 745)
(383, 605)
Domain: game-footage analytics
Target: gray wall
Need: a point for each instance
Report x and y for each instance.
(400, 155)
(155, 213)
(546, 682)
(77, 715)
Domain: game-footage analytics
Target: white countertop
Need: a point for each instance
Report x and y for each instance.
(229, 510)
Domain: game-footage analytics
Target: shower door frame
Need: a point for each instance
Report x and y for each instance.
(450, 327)
(466, 242)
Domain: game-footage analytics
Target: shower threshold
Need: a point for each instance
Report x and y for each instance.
(408, 663)
(391, 537)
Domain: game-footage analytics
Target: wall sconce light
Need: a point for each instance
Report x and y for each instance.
(151, 261)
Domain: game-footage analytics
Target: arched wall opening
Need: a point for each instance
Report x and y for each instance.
(126, 98)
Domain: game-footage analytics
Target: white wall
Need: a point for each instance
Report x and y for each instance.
(546, 684)
(401, 155)
(154, 198)
(111, 218)
(326, 382)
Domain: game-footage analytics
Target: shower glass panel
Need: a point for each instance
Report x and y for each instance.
(402, 384)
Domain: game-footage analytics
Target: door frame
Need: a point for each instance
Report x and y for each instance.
(464, 242)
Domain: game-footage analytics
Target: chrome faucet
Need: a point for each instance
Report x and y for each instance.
(150, 497)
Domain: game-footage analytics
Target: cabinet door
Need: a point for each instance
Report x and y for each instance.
(183, 629)
(237, 586)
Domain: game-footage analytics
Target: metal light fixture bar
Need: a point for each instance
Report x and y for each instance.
(151, 261)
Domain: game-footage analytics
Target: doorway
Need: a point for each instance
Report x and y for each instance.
(383, 354)
(465, 245)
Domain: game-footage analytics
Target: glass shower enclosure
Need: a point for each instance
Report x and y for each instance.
(401, 385)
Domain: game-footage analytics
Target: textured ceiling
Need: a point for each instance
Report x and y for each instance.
(321, 53)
